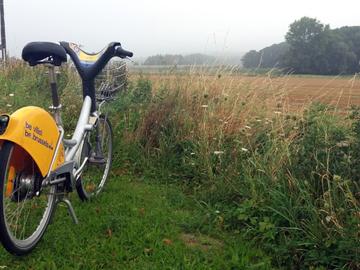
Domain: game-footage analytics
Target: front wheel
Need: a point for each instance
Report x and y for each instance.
(98, 148)
(25, 207)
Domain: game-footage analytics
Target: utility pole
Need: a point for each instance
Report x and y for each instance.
(3, 37)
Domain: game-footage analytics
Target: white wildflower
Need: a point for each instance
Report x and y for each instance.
(342, 144)
(11, 95)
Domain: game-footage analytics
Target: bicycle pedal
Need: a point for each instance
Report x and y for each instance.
(97, 160)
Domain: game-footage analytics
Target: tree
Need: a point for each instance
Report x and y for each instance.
(312, 48)
(351, 35)
(251, 59)
(304, 31)
(177, 59)
(268, 57)
(272, 56)
(304, 39)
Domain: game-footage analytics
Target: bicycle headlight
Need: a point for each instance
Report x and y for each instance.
(4, 121)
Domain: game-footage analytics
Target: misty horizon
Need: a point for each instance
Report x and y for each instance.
(160, 27)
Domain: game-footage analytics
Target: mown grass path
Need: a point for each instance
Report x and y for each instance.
(136, 225)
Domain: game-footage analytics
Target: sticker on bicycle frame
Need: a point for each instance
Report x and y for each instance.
(36, 134)
(84, 57)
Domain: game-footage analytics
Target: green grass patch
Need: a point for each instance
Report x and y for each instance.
(136, 225)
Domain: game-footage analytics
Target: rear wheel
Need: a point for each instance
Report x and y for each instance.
(98, 148)
(25, 208)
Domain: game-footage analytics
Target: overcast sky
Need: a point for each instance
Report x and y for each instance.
(167, 26)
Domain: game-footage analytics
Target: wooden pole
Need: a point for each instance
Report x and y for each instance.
(3, 37)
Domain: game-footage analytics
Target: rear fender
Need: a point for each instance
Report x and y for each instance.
(35, 131)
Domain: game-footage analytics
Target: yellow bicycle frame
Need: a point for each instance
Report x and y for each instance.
(36, 132)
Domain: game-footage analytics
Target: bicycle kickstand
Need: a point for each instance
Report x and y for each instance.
(66, 201)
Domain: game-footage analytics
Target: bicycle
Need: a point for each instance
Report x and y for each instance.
(38, 166)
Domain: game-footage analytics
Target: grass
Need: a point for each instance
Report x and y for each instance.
(283, 178)
(136, 225)
(213, 172)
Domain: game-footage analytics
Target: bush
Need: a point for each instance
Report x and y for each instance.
(287, 181)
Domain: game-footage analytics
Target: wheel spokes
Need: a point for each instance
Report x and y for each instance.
(23, 211)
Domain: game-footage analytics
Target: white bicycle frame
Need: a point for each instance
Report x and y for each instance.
(73, 147)
(82, 126)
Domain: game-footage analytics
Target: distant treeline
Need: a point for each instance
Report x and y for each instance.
(311, 48)
(177, 59)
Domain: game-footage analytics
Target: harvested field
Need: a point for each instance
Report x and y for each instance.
(295, 92)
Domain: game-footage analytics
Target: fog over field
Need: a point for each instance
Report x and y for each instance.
(160, 26)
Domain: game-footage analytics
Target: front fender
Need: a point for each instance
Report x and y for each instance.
(35, 130)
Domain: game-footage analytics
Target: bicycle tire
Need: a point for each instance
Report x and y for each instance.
(18, 200)
(93, 179)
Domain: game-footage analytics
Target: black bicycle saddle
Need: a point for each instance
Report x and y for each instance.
(44, 52)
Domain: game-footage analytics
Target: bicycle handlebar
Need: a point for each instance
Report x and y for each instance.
(120, 52)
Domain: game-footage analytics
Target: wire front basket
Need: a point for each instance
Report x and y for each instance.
(111, 81)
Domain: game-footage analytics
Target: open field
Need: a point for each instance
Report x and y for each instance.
(292, 91)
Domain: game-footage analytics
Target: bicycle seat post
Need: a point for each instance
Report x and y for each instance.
(55, 108)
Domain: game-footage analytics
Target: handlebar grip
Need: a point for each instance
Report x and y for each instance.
(120, 52)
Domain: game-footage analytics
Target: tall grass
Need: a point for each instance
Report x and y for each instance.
(286, 178)
(24, 86)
